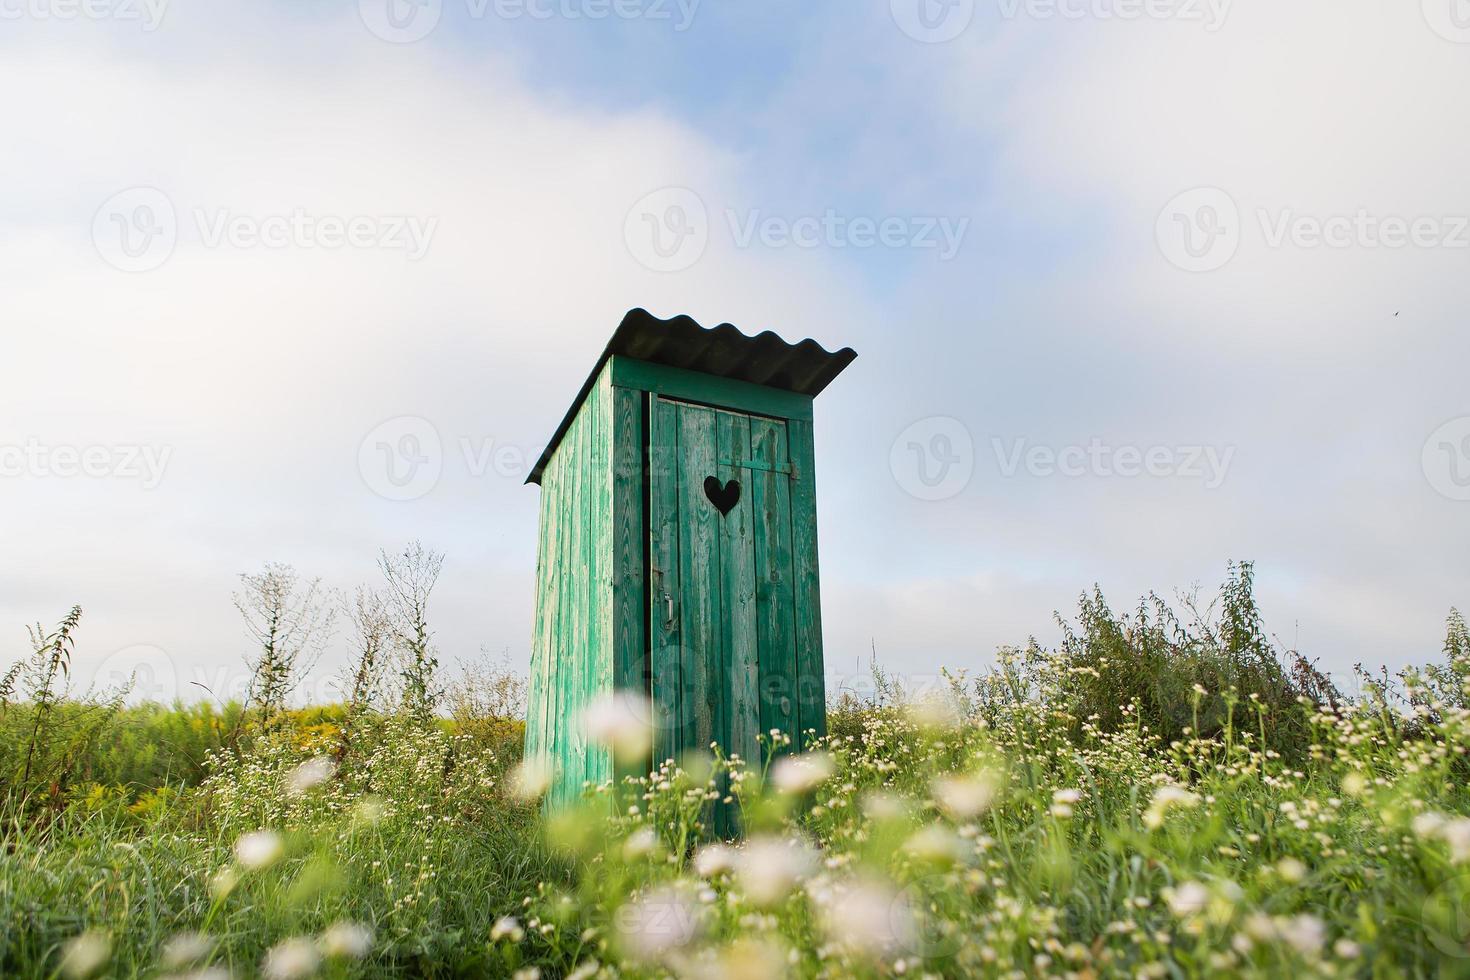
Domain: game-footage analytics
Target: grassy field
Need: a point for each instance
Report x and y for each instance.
(1160, 796)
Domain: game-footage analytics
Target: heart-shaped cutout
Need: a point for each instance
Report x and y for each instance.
(723, 496)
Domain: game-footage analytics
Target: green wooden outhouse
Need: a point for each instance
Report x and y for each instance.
(677, 554)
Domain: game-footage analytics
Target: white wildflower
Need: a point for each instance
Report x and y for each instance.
(965, 797)
(347, 940)
(185, 948)
(84, 955)
(259, 849)
(866, 918)
(507, 927)
(1189, 898)
(309, 775)
(654, 925)
(1168, 798)
(623, 721)
(770, 867)
(641, 843)
(712, 860)
(531, 779)
(1304, 933)
(1456, 833)
(291, 959)
(797, 774)
(1428, 824)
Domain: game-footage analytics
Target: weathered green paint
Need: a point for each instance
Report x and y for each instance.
(709, 389)
(643, 584)
(572, 653)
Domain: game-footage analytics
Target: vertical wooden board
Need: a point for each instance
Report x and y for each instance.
(810, 665)
(664, 576)
(537, 693)
(698, 575)
(599, 588)
(587, 557)
(742, 656)
(776, 634)
(570, 641)
(626, 575)
(628, 585)
(552, 486)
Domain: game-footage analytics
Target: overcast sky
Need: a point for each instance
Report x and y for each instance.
(1137, 288)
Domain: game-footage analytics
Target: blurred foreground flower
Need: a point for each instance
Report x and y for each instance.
(936, 844)
(1168, 798)
(770, 867)
(507, 927)
(714, 859)
(797, 774)
(259, 849)
(867, 918)
(291, 959)
(347, 940)
(531, 779)
(185, 948)
(86, 954)
(309, 775)
(965, 797)
(654, 925)
(622, 721)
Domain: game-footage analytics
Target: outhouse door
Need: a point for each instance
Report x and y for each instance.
(722, 601)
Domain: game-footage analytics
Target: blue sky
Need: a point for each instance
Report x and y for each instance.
(1080, 158)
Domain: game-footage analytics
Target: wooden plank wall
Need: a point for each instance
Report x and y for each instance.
(572, 651)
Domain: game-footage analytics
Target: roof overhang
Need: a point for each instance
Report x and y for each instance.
(805, 368)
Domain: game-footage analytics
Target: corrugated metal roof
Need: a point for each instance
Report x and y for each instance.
(805, 368)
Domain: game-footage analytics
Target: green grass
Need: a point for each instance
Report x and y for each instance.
(1149, 800)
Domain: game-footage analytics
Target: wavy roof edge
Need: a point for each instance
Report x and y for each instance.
(805, 367)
